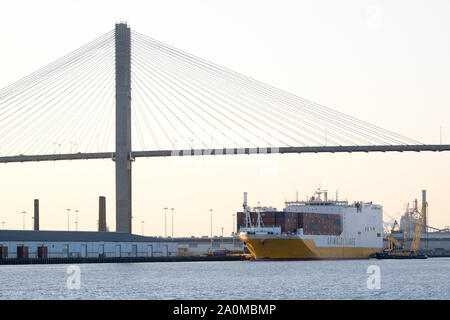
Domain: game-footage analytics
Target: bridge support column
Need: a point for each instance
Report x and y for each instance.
(123, 128)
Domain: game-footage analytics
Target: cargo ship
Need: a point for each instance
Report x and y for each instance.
(318, 228)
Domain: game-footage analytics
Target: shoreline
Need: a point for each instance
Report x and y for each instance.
(16, 261)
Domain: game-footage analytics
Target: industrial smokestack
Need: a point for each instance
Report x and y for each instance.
(425, 218)
(245, 200)
(36, 215)
(101, 213)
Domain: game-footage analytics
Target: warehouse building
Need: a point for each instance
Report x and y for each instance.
(84, 244)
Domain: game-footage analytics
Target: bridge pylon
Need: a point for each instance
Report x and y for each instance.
(123, 127)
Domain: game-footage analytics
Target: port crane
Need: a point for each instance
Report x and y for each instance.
(393, 244)
(419, 226)
(397, 250)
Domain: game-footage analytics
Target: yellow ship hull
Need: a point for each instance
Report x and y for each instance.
(301, 249)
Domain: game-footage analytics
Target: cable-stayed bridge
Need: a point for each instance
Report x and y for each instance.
(90, 103)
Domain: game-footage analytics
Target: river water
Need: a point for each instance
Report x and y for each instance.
(347, 279)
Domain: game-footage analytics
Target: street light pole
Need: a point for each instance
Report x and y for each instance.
(23, 212)
(76, 220)
(234, 233)
(142, 227)
(211, 210)
(165, 222)
(234, 216)
(68, 227)
(172, 220)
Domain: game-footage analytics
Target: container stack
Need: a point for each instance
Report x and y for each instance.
(290, 222)
(321, 224)
(269, 219)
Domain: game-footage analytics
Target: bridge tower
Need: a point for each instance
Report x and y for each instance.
(123, 127)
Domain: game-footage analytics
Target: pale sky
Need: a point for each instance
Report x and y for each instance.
(383, 62)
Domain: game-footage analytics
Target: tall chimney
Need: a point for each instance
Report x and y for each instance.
(245, 200)
(425, 222)
(36, 214)
(101, 213)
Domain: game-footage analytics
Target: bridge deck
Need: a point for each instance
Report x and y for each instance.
(231, 151)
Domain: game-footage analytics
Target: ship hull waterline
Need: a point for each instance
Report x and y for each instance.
(302, 249)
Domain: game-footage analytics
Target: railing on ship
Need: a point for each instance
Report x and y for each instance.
(316, 203)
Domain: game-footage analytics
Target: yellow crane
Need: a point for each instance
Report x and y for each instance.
(393, 244)
(419, 226)
(396, 250)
